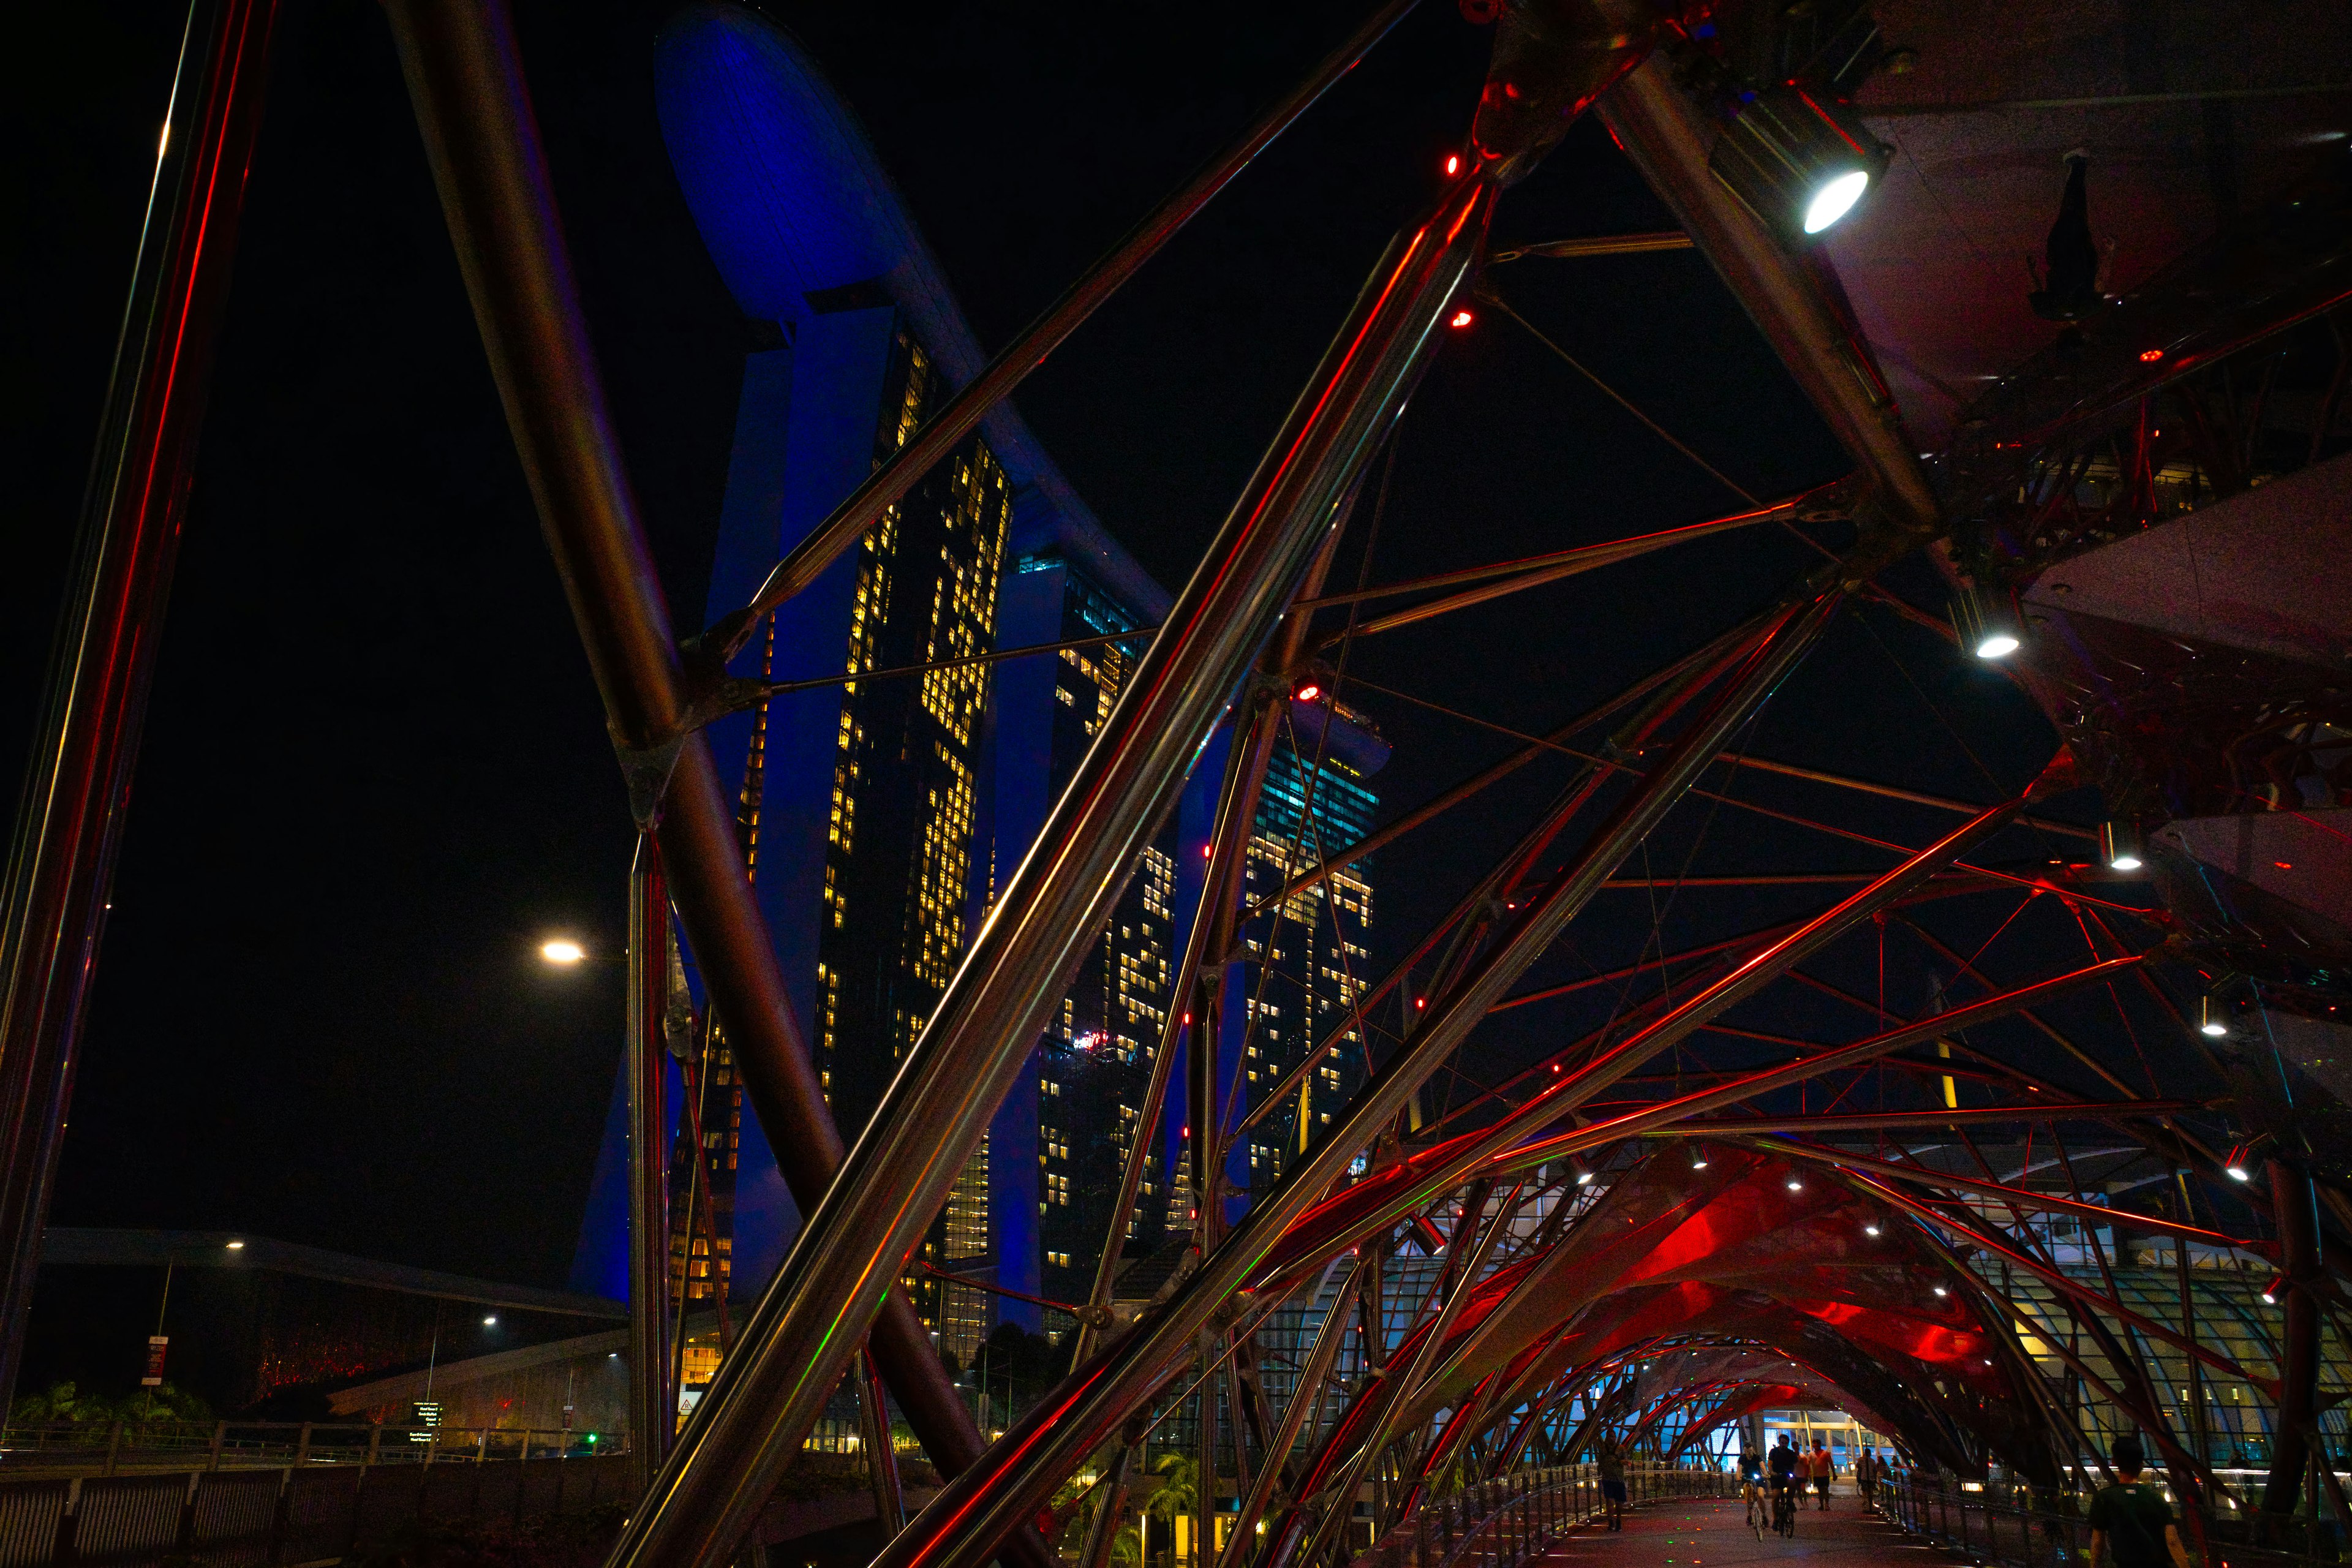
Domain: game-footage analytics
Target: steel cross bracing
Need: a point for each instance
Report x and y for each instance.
(1511, 1274)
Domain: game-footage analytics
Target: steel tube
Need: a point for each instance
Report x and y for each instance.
(78, 784)
(960, 1528)
(1307, 1395)
(1495, 1152)
(1668, 139)
(2296, 1213)
(1759, 969)
(889, 483)
(652, 1410)
(1518, 577)
(772, 1391)
(481, 137)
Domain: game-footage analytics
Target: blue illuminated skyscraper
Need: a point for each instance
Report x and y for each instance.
(880, 812)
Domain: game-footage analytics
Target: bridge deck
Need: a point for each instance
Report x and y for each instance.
(1702, 1532)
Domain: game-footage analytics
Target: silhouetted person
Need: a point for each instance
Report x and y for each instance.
(2131, 1524)
(2072, 285)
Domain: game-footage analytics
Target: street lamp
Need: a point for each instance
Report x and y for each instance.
(561, 950)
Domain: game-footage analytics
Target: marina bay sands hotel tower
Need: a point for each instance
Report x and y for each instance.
(880, 812)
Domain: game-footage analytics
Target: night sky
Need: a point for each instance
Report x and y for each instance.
(375, 772)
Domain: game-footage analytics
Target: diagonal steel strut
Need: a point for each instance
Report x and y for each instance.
(770, 1394)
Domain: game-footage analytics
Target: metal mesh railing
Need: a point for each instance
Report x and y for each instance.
(1504, 1523)
(2017, 1525)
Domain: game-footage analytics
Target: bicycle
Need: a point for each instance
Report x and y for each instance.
(1759, 1518)
(1784, 1511)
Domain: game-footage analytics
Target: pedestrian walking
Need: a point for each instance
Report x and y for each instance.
(1613, 1483)
(2131, 1524)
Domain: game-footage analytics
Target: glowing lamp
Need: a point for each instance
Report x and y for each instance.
(1987, 624)
(1308, 692)
(2149, 356)
(1461, 319)
(2270, 1291)
(1941, 1291)
(1870, 1230)
(1799, 160)
(2120, 845)
(1698, 1156)
(1454, 163)
(237, 1247)
(491, 1321)
(1795, 1185)
(2210, 1017)
(561, 950)
(2235, 1164)
(1583, 1178)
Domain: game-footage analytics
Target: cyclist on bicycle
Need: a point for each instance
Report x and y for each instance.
(1783, 1465)
(1751, 1488)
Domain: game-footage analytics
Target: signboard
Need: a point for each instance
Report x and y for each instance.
(156, 1345)
(424, 1412)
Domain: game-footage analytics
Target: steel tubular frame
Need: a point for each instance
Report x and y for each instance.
(78, 786)
(651, 1403)
(466, 82)
(960, 1528)
(831, 1312)
(770, 1392)
(1669, 140)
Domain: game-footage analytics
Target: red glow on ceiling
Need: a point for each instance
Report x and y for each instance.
(2149, 356)
(1461, 319)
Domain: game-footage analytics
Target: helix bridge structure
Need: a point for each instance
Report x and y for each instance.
(2100, 1183)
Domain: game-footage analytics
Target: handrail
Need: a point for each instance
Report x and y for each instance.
(1508, 1521)
(1975, 1520)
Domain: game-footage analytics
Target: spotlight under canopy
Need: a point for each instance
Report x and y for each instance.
(2120, 845)
(2212, 1017)
(1800, 161)
(1986, 624)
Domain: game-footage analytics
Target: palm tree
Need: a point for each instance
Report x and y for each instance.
(1179, 1491)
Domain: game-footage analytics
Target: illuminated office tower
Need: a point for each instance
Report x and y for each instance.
(1307, 964)
(879, 811)
(860, 793)
(1062, 1139)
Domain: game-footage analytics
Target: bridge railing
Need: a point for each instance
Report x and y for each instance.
(1508, 1521)
(263, 1517)
(2007, 1525)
